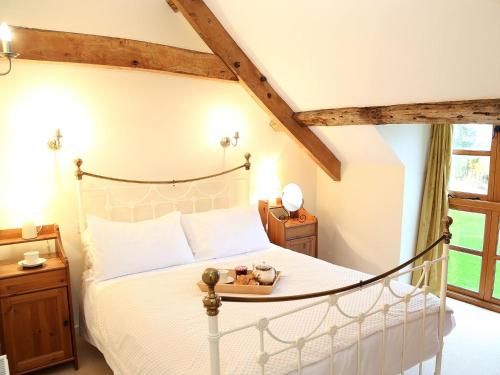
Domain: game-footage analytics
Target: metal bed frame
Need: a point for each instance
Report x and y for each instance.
(212, 303)
(329, 298)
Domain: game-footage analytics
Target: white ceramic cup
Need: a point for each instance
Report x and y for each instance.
(223, 276)
(31, 257)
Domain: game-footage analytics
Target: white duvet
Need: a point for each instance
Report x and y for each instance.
(155, 323)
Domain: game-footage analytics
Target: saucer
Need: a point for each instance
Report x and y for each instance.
(229, 280)
(40, 262)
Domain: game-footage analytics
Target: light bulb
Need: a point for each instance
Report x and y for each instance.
(6, 38)
(5, 33)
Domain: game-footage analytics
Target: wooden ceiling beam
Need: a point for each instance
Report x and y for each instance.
(223, 45)
(172, 5)
(482, 111)
(46, 45)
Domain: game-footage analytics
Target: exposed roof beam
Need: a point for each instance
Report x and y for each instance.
(483, 111)
(46, 45)
(172, 5)
(222, 44)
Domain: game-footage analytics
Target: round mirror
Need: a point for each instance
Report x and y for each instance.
(292, 198)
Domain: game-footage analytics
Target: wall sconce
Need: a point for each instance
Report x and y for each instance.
(6, 38)
(226, 141)
(55, 142)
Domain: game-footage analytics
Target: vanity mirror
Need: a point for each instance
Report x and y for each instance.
(292, 199)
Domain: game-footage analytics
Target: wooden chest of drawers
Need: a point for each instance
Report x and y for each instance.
(299, 234)
(36, 322)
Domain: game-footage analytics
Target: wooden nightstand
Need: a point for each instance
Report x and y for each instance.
(296, 234)
(36, 321)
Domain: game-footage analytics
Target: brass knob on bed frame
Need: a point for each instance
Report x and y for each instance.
(78, 173)
(211, 301)
(446, 222)
(247, 164)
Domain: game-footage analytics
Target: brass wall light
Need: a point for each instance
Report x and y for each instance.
(226, 141)
(6, 38)
(55, 142)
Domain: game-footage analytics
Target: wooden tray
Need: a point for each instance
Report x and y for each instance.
(241, 289)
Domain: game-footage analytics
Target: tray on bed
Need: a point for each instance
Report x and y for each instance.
(241, 289)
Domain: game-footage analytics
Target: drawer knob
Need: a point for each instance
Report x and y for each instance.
(66, 322)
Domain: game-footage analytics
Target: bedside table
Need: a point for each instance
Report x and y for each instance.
(36, 320)
(294, 234)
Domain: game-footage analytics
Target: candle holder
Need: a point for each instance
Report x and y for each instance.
(7, 53)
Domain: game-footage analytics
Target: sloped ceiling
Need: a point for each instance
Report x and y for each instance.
(335, 53)
(321, 53)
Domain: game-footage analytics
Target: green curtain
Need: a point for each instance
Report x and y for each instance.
(435, 200)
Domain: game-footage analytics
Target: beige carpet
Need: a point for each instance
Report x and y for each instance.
(472, 348)
(90, 360)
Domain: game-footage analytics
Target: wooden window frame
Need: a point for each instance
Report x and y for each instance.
(489, 205)
(492, 154)
(483, 253)
(492, 258)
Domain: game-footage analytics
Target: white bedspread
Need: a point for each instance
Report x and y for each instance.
(154, 322)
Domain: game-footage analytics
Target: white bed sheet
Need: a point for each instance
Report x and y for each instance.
(154, 322)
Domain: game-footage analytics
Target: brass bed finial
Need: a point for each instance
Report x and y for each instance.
(247, 164)
(447, 221)
(211, 301)
(78, 172)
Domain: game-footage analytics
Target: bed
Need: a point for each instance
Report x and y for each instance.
(153, 322)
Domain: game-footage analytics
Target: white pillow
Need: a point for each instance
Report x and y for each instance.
(118, 248)
(225, 232)
(88, 249)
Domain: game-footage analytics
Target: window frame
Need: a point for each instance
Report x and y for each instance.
(454, 205)
(488, 204)
(492, 155)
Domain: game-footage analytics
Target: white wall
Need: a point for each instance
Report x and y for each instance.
(410, 143)
(360, 218)
(369, 221)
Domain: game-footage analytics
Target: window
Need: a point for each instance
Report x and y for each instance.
(466, 249)
(470, 162)
(474, 262)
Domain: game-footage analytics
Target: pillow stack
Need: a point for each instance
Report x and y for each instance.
(116, 249)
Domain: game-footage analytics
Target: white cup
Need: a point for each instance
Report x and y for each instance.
(29, 230)
(31, 257)
(223, 276)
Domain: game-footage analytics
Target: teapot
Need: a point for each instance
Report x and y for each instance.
(264, 273)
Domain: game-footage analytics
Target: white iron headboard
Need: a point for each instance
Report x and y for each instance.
(136, 200)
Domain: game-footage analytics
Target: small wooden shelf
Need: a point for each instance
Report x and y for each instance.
(13, 236)
(10, 268)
